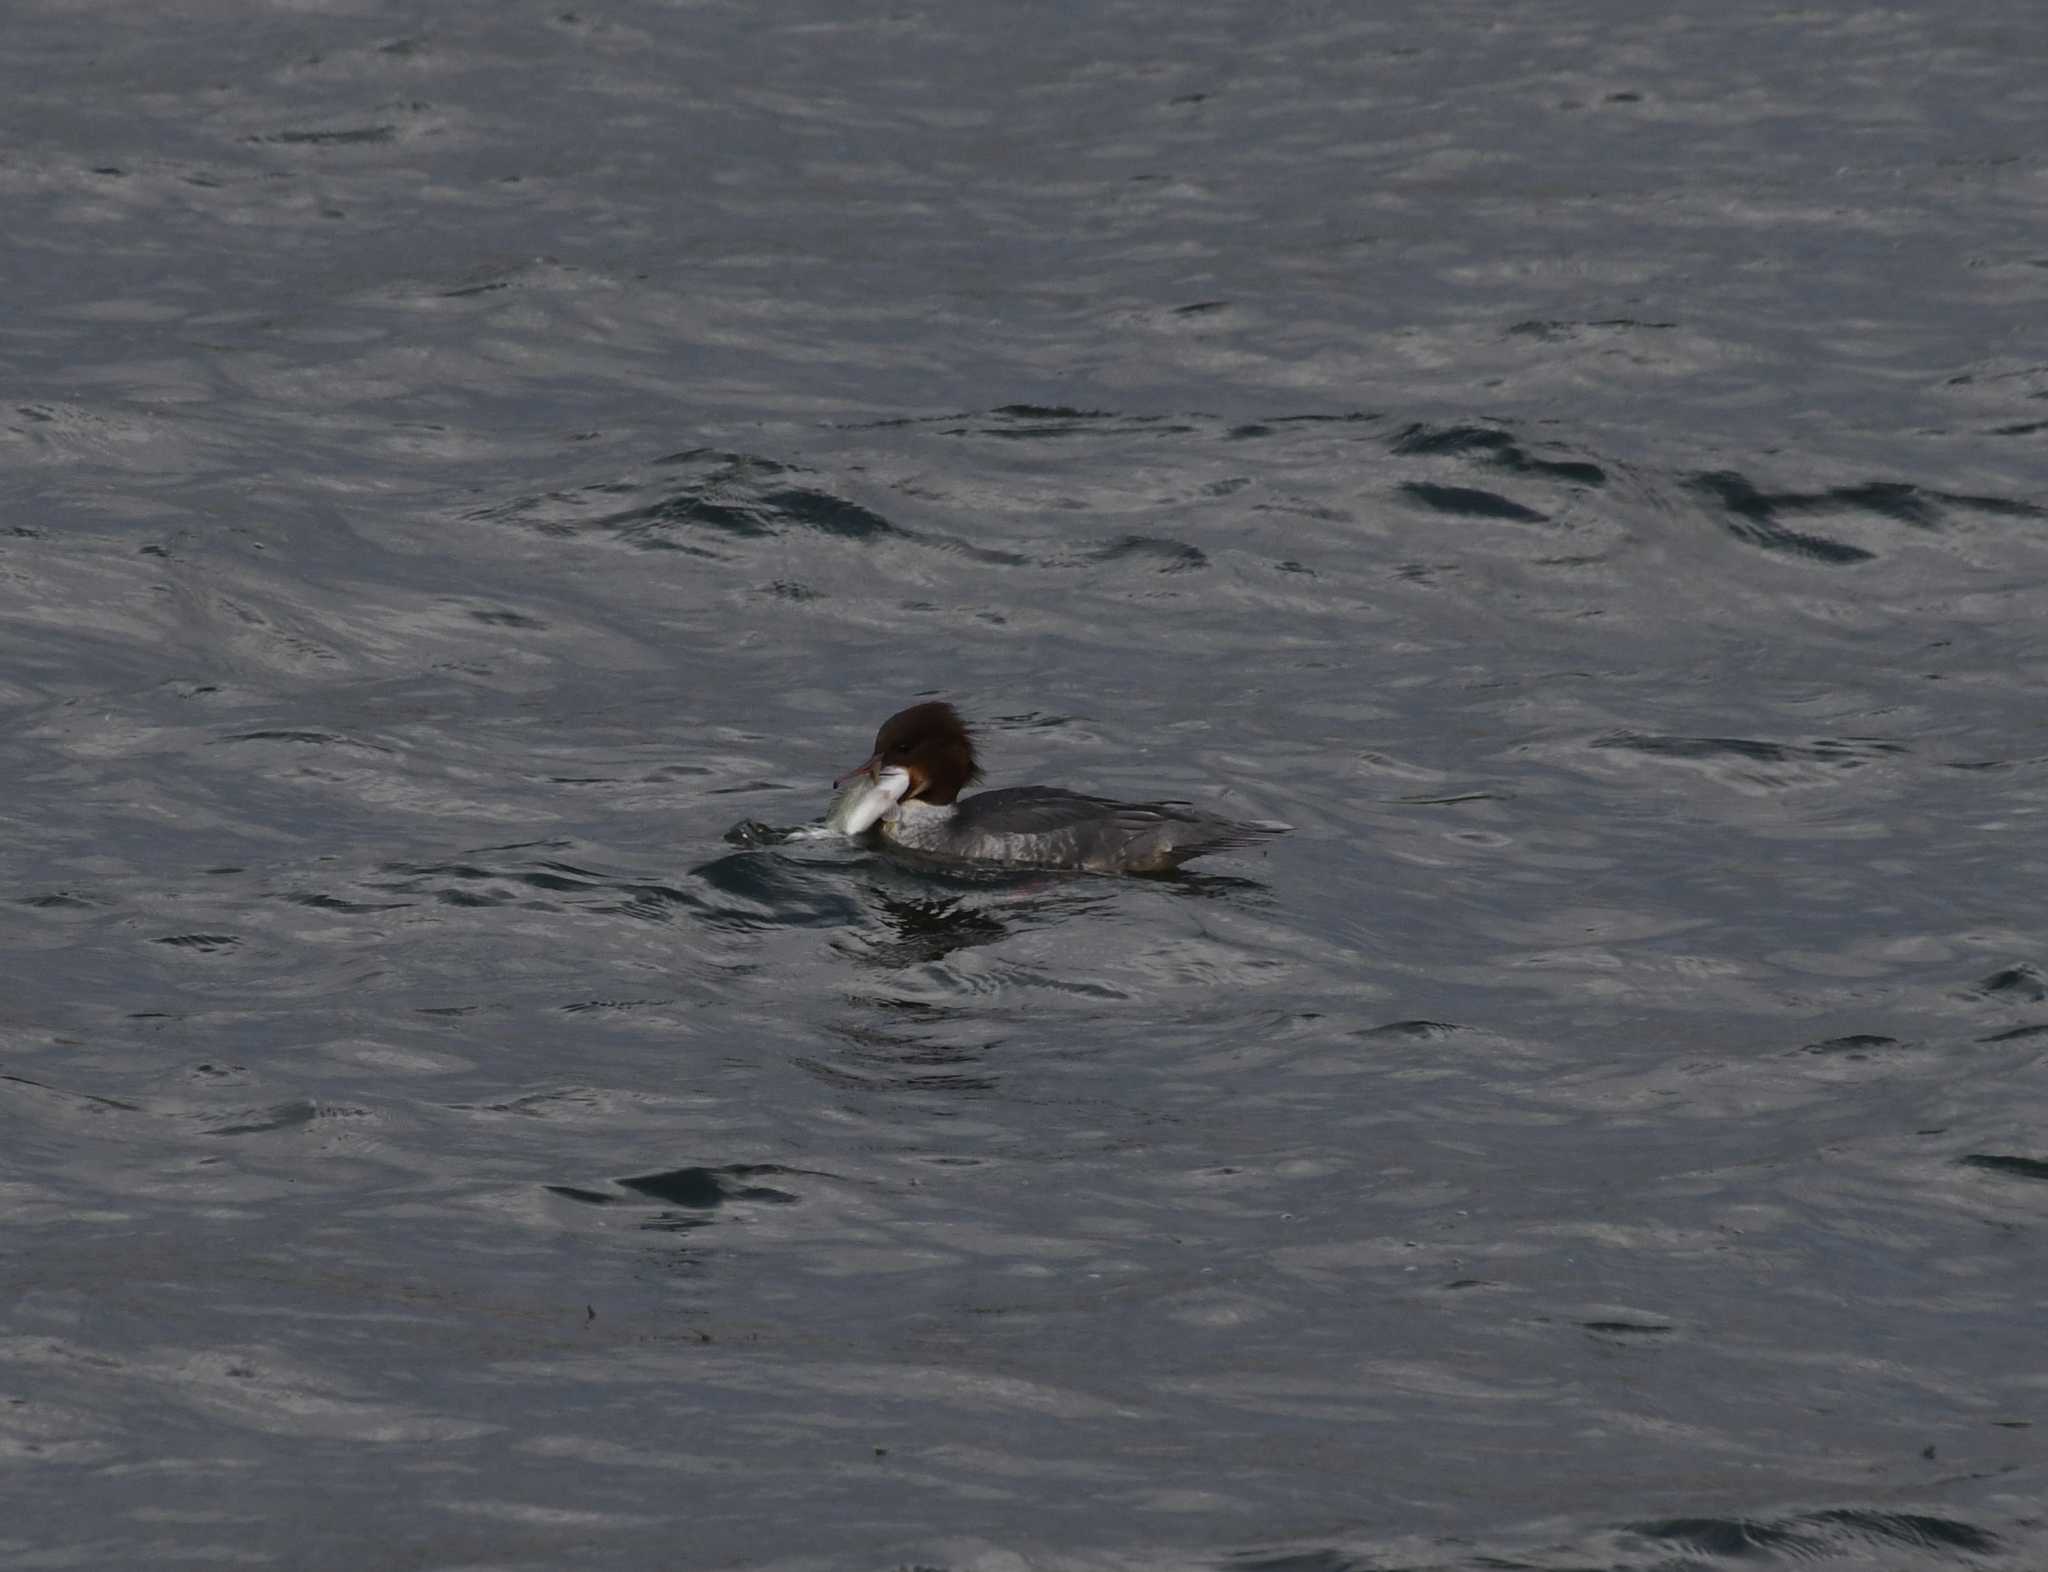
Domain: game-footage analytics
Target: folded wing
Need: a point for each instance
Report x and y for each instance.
(1101, 833)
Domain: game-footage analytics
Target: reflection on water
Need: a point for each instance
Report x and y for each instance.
(920, 931)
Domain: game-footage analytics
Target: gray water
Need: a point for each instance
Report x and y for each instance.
(471, 474)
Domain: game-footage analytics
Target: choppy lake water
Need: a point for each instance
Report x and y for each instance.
(471, 474)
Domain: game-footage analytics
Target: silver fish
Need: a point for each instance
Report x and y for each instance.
(866, 801)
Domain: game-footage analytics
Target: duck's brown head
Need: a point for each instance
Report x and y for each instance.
(930, 743)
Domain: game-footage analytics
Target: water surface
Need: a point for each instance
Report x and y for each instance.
(469, 478)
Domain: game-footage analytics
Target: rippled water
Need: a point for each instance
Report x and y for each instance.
(471, 475)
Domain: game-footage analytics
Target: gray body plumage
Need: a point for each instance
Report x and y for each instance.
(1048, 827)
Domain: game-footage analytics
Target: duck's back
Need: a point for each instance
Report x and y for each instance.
(1049, 827)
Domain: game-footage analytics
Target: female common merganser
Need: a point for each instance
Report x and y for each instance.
(909, 790)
